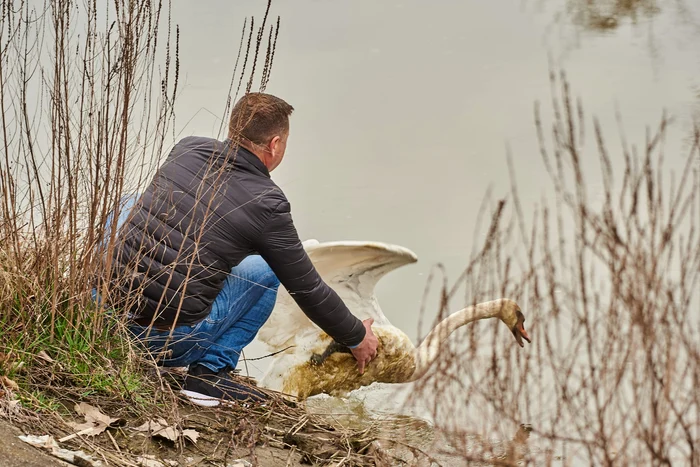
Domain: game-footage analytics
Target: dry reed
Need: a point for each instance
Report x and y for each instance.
(608, 278)
(87, 96)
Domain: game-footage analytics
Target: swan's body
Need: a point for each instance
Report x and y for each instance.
(352, 269)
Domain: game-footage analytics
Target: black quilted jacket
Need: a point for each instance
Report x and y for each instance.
(208, 207)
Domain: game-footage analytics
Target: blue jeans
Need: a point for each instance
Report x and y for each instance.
(238, 312)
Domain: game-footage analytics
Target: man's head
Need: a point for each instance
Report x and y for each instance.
(261, 123)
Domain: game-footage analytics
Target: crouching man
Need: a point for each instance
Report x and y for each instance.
(199, 255)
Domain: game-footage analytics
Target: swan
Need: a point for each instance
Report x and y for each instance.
(306, 361)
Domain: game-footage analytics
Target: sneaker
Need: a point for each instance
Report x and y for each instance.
(207, 388)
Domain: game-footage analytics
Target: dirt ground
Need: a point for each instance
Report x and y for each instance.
(16, 453)
(269, 437)
(275, 433)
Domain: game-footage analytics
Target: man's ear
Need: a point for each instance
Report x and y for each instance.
(273, 145)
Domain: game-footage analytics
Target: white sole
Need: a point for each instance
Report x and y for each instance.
(201, 399)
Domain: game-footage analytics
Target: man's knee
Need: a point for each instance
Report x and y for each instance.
(258, 271)
(269, 279)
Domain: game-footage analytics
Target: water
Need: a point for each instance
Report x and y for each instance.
(404, 111)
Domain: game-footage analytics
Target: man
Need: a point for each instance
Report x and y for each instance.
(200, 255)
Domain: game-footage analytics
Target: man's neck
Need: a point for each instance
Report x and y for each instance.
(243, 142)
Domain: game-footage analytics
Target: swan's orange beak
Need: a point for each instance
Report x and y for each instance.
(519, 330)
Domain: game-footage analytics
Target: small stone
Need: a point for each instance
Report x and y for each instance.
(239, 463)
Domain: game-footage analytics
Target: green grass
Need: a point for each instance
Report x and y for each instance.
(85, 360)
(41, 402)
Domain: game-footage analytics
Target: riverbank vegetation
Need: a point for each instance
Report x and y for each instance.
(606, 271)
(87, 98)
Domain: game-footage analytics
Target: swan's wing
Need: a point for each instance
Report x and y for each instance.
(353, 269)
(350, 268)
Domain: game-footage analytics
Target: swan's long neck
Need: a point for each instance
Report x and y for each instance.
(429, 349)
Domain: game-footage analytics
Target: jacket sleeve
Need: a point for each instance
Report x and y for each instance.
(280, 246)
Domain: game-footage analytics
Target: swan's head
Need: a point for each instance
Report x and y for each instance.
(513, 317)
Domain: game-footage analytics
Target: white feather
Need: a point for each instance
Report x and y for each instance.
(352, 269)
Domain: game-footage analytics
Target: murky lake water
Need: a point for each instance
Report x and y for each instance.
(404, 109)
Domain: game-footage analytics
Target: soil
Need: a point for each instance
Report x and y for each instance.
(16, 453)
(276, 433)
(223, 438)
(272, 436)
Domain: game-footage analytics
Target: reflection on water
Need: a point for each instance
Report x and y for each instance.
(355, 413)
(603, 15)
(397, 433)
(414, 440)
(403, 109)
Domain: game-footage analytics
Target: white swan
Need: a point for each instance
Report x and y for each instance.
(352, 269)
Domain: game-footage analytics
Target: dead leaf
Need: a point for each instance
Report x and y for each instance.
(44, 356)
(47, 442)
(162, 429)
(7, 360)
(95, 422)
(240, 463)
(9, 407)
(149, 461)
(191, 434)
(7, 383)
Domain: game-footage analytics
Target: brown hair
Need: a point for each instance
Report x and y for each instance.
(259, 117)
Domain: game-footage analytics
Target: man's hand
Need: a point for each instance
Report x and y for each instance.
(367, 349)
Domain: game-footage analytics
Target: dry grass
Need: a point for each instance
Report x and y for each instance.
(68, 108)
(608, 14)
(608, 277)
(86, 112)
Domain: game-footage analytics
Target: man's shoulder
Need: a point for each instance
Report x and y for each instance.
(191, 145)
(199, 141)
(277, 200)
(264, 189)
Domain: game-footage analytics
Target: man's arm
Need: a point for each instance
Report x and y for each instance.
(281, 248)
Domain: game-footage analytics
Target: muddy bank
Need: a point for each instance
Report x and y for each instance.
(269, 435)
